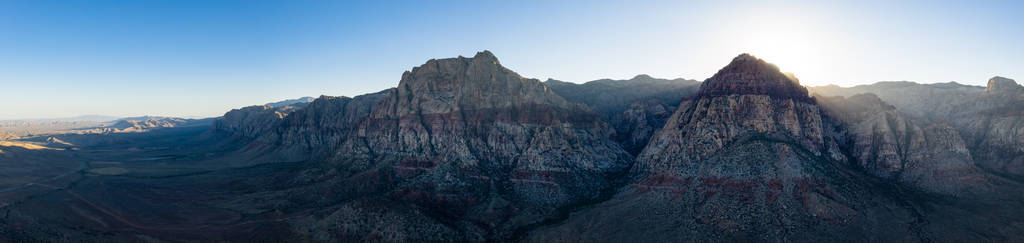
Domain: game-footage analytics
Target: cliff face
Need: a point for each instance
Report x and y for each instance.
(885, 144)
(329, 123)
(252, 121)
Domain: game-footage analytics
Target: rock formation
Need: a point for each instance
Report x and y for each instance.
(462, 139)
(1003, 86)
(252, 121)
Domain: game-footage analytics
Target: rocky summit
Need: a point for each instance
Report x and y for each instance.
(749, 75)
(464, 149)
(1000, 85)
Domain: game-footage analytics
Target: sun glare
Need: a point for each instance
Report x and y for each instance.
(791, 44)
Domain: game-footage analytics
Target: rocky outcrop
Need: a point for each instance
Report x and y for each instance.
(1003, 86)
(252, 121)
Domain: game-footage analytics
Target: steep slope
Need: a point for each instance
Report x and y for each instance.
(752, 158)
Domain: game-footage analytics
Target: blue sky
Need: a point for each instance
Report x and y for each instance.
(202, 58)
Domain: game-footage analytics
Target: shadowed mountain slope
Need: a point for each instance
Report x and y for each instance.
(752, 158)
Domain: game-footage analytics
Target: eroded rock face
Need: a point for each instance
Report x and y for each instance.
(932, 158)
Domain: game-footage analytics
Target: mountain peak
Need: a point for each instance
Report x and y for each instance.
(1001, 85)
(745, 57)
(486, 56)
(480, 82)
(747, 74)
(642, 77)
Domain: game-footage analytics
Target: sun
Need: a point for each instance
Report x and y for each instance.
(793, 45)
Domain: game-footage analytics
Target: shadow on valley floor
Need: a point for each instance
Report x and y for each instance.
(181, 183)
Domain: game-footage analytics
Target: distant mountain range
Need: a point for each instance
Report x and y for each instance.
(102, 123)
(299, 101)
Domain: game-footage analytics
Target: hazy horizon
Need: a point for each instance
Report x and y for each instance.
(201, 59)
